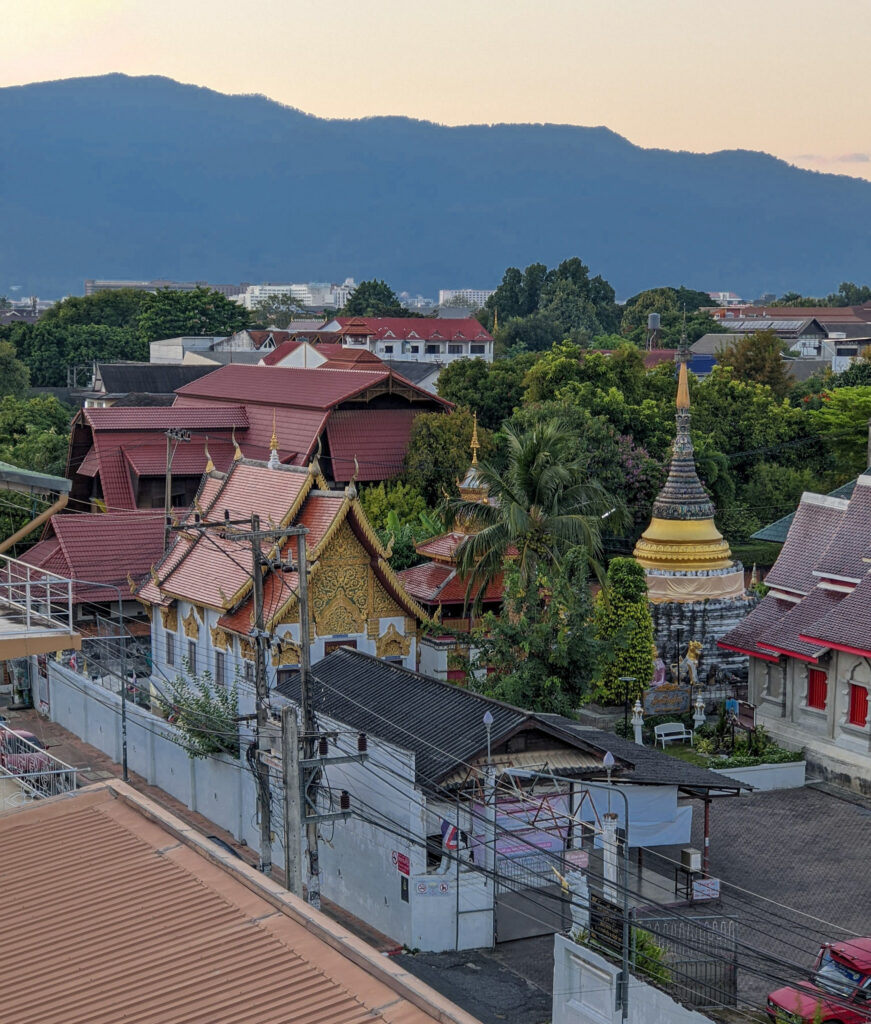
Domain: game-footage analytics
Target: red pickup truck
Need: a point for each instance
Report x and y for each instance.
(839, 993)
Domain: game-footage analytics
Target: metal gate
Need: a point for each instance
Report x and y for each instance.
(701, 956)
(526, 902)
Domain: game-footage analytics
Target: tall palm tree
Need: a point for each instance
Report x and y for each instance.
(542, 504)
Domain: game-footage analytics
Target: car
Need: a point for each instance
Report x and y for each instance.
(838, 993)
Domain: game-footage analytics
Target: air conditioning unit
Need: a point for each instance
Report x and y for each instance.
(691, 859)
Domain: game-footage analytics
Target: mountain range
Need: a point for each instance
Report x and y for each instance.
(141, 177)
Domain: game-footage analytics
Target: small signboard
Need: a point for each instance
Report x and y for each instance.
(706, 889)
(403, 864)
(606, 922)
(667, 700)
(432, 888)
(576, 860)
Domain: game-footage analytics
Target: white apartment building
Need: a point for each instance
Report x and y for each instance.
(474, 297)
(312, 293)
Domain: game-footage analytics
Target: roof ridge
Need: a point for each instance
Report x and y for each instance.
(812, 498)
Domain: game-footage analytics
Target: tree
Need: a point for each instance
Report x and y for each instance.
(275, 311)
(857, 374)
(759, 357)
(202, 311)
(543, 502)
(492, 390)
(34, 433)
(14, 375)
(439, 452)
(403, 536)
(373, 298)
(49, 348)
(119, 308)
(843, 421)
(203, 712)
(624, 628)
(540, 652)
(678, 312)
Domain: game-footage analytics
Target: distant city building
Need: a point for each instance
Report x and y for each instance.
(414, 339)
(93, 285)
(421, 303)
(312, 293)
(474, 297)
(725, 298)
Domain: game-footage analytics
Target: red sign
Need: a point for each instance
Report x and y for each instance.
(403, 864)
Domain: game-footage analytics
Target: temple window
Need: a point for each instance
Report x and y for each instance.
(817, 689)
(858, 713)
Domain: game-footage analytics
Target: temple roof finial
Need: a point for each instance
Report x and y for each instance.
(475, 444)
(274, 461)
(210, 466)
(237, 451)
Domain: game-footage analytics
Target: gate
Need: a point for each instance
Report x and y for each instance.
(526, 902)
(701, 956)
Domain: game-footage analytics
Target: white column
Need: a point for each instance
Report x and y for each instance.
(609, 856)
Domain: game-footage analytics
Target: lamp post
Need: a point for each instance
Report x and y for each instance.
(626, 680)
(488, 725)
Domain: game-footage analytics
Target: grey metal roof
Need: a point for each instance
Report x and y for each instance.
(442, 723)
(411, 369)
(151, 378)
(25, 479)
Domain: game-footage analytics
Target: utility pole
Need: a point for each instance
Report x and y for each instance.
(292, 812)
(179, 436)
(264, 792)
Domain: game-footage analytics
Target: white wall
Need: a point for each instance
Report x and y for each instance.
(585, 992)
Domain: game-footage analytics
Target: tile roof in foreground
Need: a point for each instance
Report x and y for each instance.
(783, 637)
(847, 627)
(816, 523)
(842, 559)
(764, 617)
(136, 917)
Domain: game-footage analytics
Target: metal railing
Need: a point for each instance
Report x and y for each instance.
(33, 599)
(37, 772)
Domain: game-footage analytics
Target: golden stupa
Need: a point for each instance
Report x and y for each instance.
(682, 552)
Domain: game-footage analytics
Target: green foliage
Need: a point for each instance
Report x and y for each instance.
(492, 390)
(843, 421)
(110, 309)
(857, 374)
(677, 308)
(543, 502)
(14, 375)
(540, 651)
(274, 311)
(649, 959)
(759, 357)
(171, 314)
(374, 298)
(204, 713)
(624, 628)
(399, 514)
(439, 452)
(403, 536)
(34, 433)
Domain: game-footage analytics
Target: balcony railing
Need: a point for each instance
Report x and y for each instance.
(37, 773)
(32, 600)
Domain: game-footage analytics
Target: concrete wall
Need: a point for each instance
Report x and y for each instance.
(218, 787)
(585, 990)
(705, 621)
(789, 775)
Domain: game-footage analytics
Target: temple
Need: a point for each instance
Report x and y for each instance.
(695, 587)
(439, 587)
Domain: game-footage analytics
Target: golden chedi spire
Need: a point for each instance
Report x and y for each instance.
(274, 462)
(682, 537)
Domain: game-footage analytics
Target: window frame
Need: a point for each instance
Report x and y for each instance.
(192, 657)
(858, 699)
(170, 648)
(817, 689)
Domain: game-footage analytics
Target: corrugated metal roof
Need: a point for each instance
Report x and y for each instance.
(124, 915)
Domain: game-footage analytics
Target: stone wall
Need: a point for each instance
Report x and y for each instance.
(706, 621)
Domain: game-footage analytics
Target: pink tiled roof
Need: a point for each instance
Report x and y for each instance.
(847, 627)
(435, 583)
(188, 460)
(422, 328)
(783, 638)
(161, 418)
(377, 437)
(443, 546)
(813, 528)
(843, 557)
(766, 615)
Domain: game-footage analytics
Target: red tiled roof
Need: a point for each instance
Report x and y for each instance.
(90, 465)
(435, 583)
(767, 614)
(814, 526)
(783, 638)
(259, 338)
(333, 354)
(843, 557)
(101, 548)
(847, 627)
(442, 546)
(378, 438)
(421, 328)
(282, 350)
(161, 418)
(307, 388)
(188, 460)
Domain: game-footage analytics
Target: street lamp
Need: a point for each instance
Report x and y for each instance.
(626, 680)
(488, 725)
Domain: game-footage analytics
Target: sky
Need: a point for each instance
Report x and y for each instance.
(782, 76)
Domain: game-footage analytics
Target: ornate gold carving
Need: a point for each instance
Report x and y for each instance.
(383, 604)
(246, 649)
(393, 644)
(285, 652)
(201, 613)
(189, 624)
(340, 615)
(220, 639)
(340, 585)
(372, 628)
(169, 617)
(410, 625)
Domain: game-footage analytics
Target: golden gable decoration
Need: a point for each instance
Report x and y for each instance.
(341, 614)
(220, 638)
(285, 652)
(169, 617)
(247, 649)
(392, 644)
(190, 626)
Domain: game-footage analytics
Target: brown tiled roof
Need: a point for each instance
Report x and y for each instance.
(137, 918)
(377, 438)
(847, 627)
(814, 526)
(767, 614)
(783, 638)
(843, 557)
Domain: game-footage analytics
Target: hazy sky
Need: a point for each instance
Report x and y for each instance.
(784, 76)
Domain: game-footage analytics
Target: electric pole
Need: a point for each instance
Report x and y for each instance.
(292, 812)
(179, 436)
(264, 792)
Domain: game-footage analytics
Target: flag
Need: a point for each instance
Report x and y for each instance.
(449, 835)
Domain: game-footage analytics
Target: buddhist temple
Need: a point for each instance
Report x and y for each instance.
(439, 587)
(695, 587)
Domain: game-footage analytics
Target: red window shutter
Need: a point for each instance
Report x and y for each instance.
(858, 705)
(817, 689)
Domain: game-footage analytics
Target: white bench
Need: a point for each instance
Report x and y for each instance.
(668, 732)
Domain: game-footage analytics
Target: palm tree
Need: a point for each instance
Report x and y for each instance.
(542, 504)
